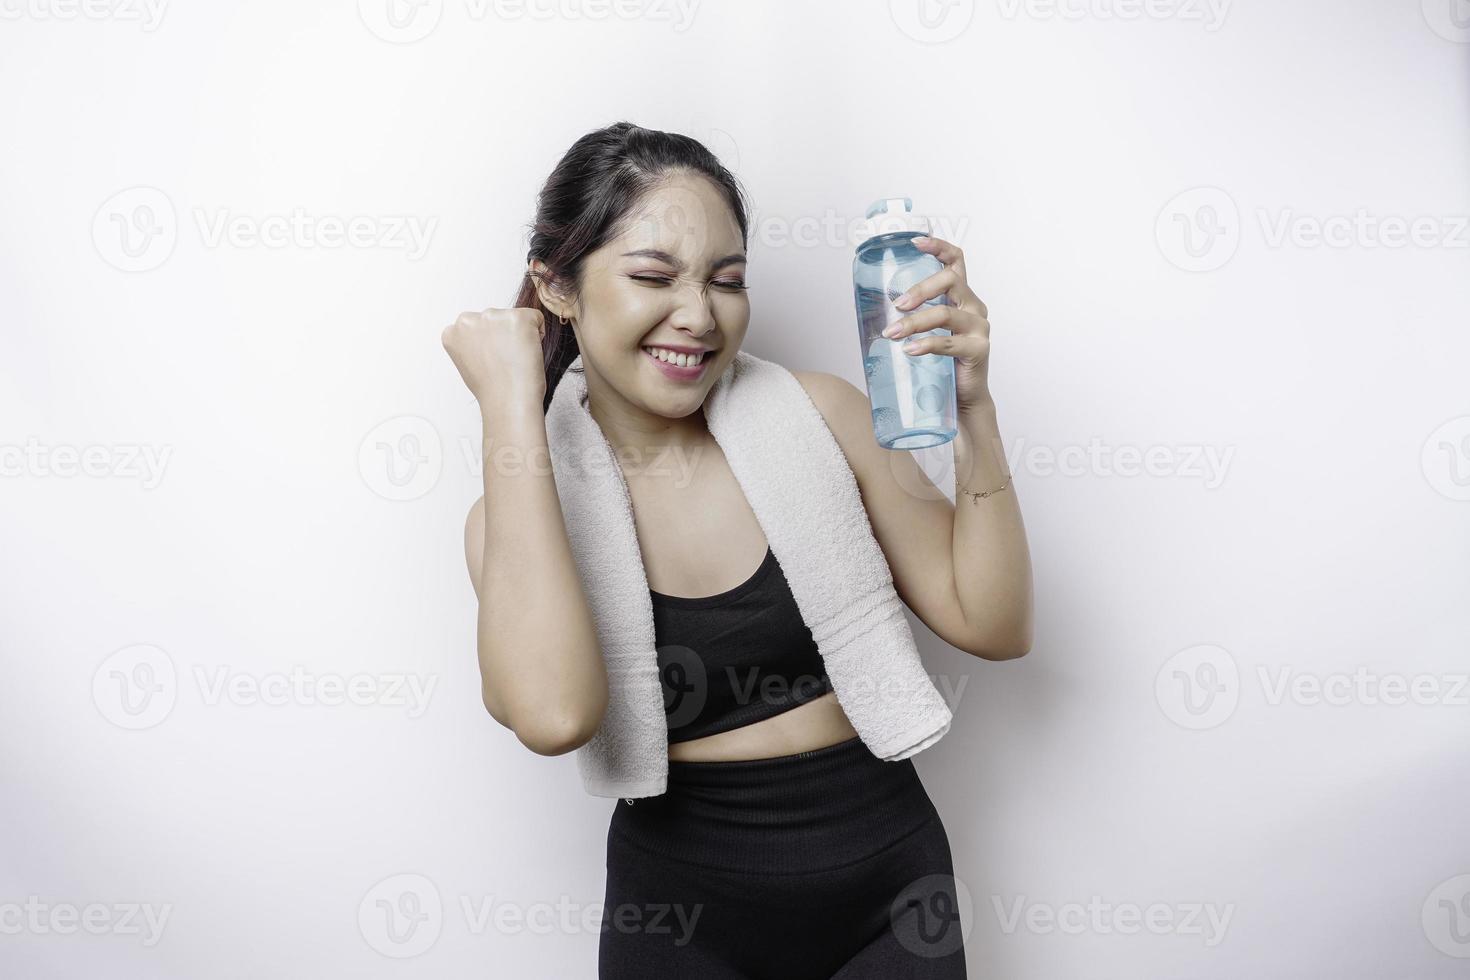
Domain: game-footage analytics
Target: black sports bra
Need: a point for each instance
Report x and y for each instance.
(734, 658)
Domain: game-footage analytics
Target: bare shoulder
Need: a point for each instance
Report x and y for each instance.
(845, 409)
(826, 387)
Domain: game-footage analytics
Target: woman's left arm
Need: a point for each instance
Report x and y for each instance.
(963, 568)
(991, 559)
(992, 562)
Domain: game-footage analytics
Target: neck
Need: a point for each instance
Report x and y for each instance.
(645, 442)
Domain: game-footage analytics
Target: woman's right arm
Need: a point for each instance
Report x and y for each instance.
(541, 668)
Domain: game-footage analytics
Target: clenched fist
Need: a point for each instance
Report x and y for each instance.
(498, 354)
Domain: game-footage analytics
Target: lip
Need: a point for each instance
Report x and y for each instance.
(675, 372)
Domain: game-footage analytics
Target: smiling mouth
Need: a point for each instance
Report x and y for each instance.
(688, 361)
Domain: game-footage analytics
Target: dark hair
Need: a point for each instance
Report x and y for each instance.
(590, 192)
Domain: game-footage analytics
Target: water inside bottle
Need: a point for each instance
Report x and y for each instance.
(909, 392)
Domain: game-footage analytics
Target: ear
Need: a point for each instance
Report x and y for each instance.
(549, 297)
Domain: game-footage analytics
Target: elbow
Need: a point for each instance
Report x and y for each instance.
(1008, 640)
(1006, 653)
(993, 648)
(557, 738)
(541, 738)
(557, 734)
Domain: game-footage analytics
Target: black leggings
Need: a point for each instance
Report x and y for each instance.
(828, 865)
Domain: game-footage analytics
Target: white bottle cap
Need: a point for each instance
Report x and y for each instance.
(888, 215)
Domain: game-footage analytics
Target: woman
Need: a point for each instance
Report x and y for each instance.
(782, 847)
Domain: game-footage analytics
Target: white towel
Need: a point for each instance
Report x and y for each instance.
(806, 500)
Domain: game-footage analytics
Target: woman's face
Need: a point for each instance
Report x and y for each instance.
(674, 278)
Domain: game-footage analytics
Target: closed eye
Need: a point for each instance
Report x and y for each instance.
(731, 284)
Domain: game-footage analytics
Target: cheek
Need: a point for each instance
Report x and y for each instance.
(627, 315)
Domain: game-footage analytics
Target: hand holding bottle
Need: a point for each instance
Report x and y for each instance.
(963, 314)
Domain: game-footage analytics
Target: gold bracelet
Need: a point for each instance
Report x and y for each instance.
(975, 495)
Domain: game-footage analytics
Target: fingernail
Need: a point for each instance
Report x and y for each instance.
(902, 302)
(890, 330)
(921, 238)
(911, 346)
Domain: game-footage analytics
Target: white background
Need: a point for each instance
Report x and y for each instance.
(1118, 176)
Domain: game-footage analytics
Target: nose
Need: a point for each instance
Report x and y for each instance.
(691, 308)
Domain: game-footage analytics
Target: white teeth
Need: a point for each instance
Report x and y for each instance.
(681, 360)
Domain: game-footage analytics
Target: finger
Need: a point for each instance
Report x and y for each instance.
(957, 320)
(953, 258)
(953, 345)
(926, 289)
(946, 252)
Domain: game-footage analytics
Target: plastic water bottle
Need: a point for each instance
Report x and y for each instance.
(912, 395)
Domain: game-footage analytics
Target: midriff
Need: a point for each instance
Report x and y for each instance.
(816, 724)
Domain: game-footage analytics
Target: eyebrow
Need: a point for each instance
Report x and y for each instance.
(661, 256)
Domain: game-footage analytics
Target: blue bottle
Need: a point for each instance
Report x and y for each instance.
(912, 395)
